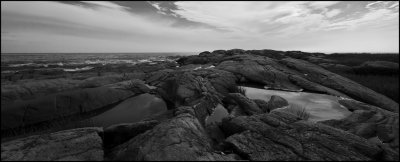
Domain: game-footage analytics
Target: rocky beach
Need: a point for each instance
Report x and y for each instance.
(261, 105)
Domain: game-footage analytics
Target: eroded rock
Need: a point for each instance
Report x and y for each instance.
(83, 144)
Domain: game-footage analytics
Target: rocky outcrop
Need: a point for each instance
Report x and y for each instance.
(263, 105)
(136, 86)
(379, 65)
(264, 137)
(369, 121)
(276, 102)
(83, 144)
(260, 70)
(181, 138)
(59, 105)
(339, 83)
(26, 90)
(246, 104)
(120, 133)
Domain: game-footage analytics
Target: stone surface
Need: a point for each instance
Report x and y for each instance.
(135, 85)
(120, 133)
(181, 138)
(262, 137)
(339, 83)
(82, 144)
(59, 105)
(368, 121)
(246, 104)
(263, 105)
(276, 102)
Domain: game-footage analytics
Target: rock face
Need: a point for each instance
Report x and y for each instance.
(263, 105)
(369, 121)
(82, 144)
(181, 138)
(276, 102)
(337, 82)
(120, 133)
(136, 86)
(25, 90)
(59, 105)
(247, 105)
(264, 137)
(253, 130)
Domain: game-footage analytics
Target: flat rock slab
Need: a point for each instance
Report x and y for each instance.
(82, 144)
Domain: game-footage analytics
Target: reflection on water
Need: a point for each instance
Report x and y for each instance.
(320, 106)
(218, 114)
(131, 110)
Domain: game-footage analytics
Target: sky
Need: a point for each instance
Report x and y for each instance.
(195, 26)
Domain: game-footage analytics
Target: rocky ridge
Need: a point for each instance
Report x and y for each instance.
(252, 131)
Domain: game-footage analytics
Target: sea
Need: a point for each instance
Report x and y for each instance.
(13, 62)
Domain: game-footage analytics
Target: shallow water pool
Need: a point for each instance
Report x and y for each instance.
(319, 106)
(131, 110)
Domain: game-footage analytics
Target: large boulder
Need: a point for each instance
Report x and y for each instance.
(247, 105)
(339, 83)
(83, 144)
(260, 70)
(180, 138)
(264, 137)
(369, 121)
(120, 133)
(59, 105)
(276, 102)
(263, 105)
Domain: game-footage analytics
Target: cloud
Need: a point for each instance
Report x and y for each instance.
(105, 4)
(190, 26)
(333, 13)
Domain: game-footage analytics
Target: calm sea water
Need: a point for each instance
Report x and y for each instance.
(17, 61)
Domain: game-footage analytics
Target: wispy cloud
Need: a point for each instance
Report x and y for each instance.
(197, 26)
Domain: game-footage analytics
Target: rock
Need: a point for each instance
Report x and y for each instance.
(259, 148)
(120, 133)
(83, 144)
(59, 105)
(31, 89)
(221, 80)
(314, 87)
(257, 140)
(260, 70)
(263, 105)
(380, 65)
(181, 138)
(276, 102)
(339, 83)
(247, 105)
(102, 80)
(157, 77)
(368, 121)
(136, 86)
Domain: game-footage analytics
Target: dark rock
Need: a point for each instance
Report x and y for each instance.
(339, 83)
(263, 105)
(120, 133)
(135, 85)
(83, 144)
(247, 105)
(276, 102)
(31, 89)
(181, 138)
(260, 70)
(59, 105)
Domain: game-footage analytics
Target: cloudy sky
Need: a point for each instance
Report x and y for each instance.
(189, 26)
